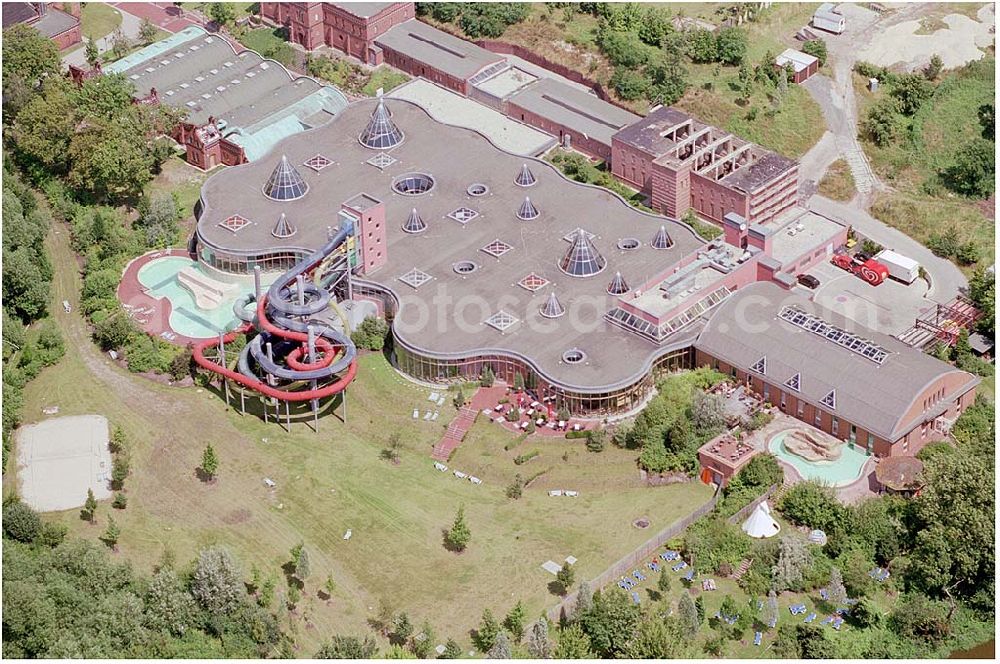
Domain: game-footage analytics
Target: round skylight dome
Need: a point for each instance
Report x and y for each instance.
(413, 184)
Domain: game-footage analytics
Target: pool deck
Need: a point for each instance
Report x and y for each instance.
(150, 314)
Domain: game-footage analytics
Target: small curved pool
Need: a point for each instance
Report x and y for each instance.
(159, 276)
(843, 471)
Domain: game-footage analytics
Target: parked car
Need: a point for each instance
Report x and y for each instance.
(809, 281)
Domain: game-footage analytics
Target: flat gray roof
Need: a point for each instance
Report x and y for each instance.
(363, 9)
(816, 229)
(573, 108)
(876, 397)
(438, 49)
(768, 166)
(445, 317)
(55, 22)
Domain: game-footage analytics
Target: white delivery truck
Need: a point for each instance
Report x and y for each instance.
(900, 267)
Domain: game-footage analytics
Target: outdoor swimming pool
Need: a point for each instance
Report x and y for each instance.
(160, 278)
(841, 472)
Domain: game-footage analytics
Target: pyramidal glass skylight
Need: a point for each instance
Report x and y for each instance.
(413, 223)
(527, 211)
(285, 183)
(283, 228)
(618, 286)
(552, 308)
(582, 259)
(662, 239)
(525, 178)
(381, 132)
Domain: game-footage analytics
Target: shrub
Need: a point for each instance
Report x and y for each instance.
(817, 49)
(20, 522)
(596, 440)
(524, 458)
(120, 501)
(371, 334)
(812, 504)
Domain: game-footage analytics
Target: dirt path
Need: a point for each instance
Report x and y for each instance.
(173, 426)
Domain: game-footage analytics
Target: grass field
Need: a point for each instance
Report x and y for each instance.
(98, 20)
(838, 183)
(334, 480)
(920, 204)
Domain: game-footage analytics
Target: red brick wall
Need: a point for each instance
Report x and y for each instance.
(775, 198)
(415, 68)
(68, 38)
(632, 165)
(588, 146)
(671, 189)
(713, 200)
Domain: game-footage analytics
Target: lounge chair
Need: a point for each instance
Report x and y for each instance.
(811, 617)
(850, 602)
(757, 636)
(827, 620)
(837, 623)
(823, 593)
(655, 566)
(875, 572)
(772, 623)
(621, 584)
(842, 611)
(679, 566)
(690, 575)
(664, 557)
(635, 598)
(638, 575)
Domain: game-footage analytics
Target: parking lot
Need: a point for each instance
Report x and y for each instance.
(890, 307)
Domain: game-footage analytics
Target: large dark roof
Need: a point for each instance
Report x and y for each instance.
(436, 48)
(767, 167)
(645, 133)
(456, 158)
(876, 397)
(571, 107)
(18, 12)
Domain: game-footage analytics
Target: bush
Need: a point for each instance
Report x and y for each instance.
(371, 334)
(596, 440)
(881, 123)
(702, 46)
(731, 45)
(812, 504)
(524, 458)
(629, 84)
(713, 541)
(20, 522)
(120, 501)
(974, 171)
(817, 49)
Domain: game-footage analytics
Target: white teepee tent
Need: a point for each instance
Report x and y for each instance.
(760, 524)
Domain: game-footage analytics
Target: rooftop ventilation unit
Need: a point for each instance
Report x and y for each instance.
(525, 178)
(527, 211)
(582, 259)
(283, 228)
(285, 183)
(413, 223)
(618, 286)
(381, 133)
(662, 239)
(552, 308)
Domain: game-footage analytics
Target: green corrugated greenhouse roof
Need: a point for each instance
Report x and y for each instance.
(155, 49)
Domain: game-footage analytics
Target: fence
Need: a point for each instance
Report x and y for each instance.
(633, 559)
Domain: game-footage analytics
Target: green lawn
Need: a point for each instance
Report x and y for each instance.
(98, 20)
(331, 481)
(384, 77)
(838, 183)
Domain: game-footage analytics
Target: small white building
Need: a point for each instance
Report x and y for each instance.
(828, 19)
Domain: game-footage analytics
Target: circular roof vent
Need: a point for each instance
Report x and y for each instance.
(464, 267)
(413, 184)
(477, 189)
(628, 243)
(574, 356)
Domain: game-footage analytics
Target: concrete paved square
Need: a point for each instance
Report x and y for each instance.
(890, 307)
(59, 459)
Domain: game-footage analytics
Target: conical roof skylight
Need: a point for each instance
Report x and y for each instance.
(662, 239)
(381, 133)
(285, 183)
(527, 211)
(525, 178)
(582, 259)
(413, 223)
(617, 285)
(283, 228)
(552, 308)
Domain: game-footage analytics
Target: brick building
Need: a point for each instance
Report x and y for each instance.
(855, 384)
(682, 163)
(59, 21)
(351, 27)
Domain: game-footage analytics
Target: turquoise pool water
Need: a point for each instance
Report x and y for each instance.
(160, 278)
(843, 471)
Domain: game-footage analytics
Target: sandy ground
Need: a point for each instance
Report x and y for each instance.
(962, 41)
(59, 459)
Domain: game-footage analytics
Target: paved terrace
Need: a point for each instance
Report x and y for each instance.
(457, 158)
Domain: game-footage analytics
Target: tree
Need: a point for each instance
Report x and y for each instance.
(459, 398)
(423, 642)
(90, 506)
(518, 382)
(111, 159)
(329, 586)
(158, 220)
(597, 439)
(147, 32)
(514, 622)
(111, 533)
(987, 121)
(663, 583)
(209, 462)
(486, 633)
(817, 49)
(302, 569)
(610, 623)
(982, 292)
(371, 334)
(92, 54)
(812, 504)
(699, 605)
(919, 617)
(459, 535)
(584, 599)
(565, 577)
(391, 451)
(402, 629)
(655, 26)
(912, 90)
(120, 44)
(451, 650)
(501, 648)
(770, 616)
(866, 613)
(838, 594)
(487, 377)
(28, 55)
(348, 647)
(20, 522)
(793, 562)
(881, 122)
(539, 644)
(688, 614)
(120, 501)
(708, 411)
(25, 290)
(974, 171)
(168, 607)
(629, 84)
(702, 46)
(933, 68)
(216, 582)
(293, 595)
(731, 45)
(573, 644)
(746, 80)
(222, 13)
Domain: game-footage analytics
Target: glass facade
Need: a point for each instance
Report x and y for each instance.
(271, 261)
